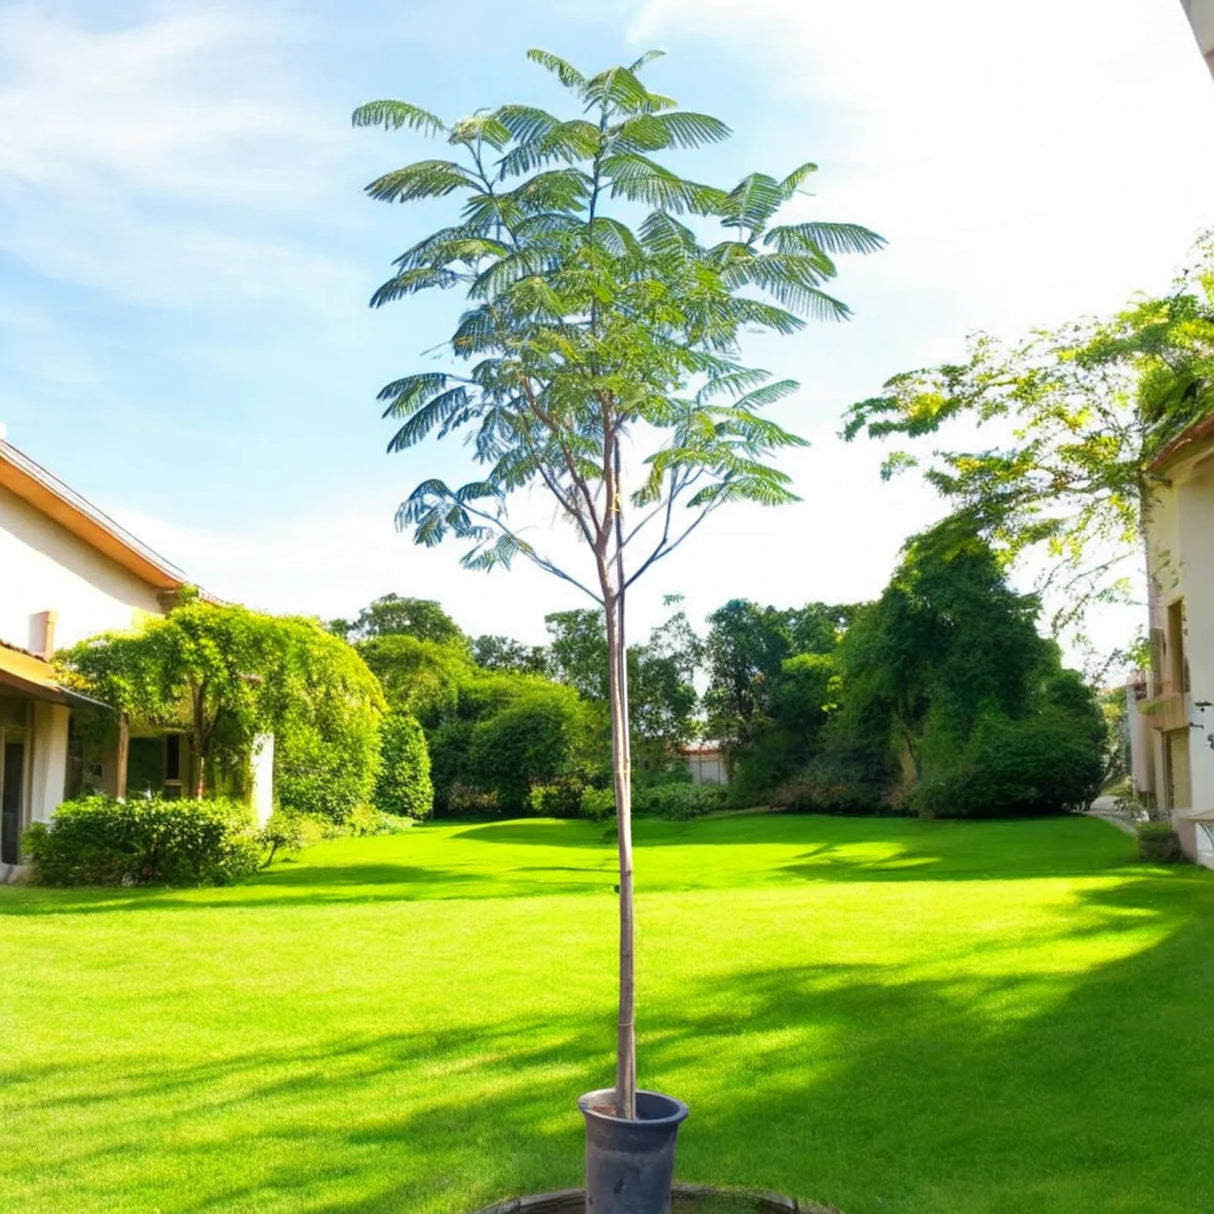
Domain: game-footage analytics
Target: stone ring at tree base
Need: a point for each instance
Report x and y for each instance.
(688, 1199)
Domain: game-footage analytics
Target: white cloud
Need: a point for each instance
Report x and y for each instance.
(152, 160)
(1026, 160)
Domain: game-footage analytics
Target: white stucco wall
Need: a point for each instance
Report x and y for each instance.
(48, 763)
(44, 567)
(1196, 510)
(262, 761)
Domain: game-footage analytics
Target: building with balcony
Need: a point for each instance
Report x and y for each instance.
(1172, 740)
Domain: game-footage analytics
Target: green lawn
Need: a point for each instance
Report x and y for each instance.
(890, 1016)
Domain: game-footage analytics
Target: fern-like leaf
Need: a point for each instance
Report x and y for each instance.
(392, 115)
(566, 73)
(425, 179)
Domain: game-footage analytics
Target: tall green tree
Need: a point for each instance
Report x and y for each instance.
(224, 674)
(948, 638)
(1076, 416)
(598, 358)
(750, 684)
(419, 676)
(661, 675)
(492, 651)
(394, 615)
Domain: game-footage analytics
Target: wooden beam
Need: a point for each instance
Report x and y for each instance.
(124, 754)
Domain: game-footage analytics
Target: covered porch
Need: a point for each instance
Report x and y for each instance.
(35, 728)
(51, 750)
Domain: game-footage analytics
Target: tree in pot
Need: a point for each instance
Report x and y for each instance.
(598, 358)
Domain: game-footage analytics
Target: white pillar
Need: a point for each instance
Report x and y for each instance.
(48, 768)
(262, 762)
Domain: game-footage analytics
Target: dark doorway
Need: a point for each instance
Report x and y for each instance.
(11, 788)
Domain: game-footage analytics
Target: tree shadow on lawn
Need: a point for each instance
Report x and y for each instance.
(842, 850)
(1053, 1088)
(853, 848)
(1048, 1091)
(314, 886)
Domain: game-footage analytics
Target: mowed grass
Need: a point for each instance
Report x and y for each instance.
(886, 1015)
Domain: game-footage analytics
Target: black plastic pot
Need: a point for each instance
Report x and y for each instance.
(630, 1164)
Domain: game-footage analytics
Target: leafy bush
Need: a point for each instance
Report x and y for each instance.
(1048, 763)
(468, 800)
(679, 801)
(832, 783)
(561, 798)
(101, 841)
(327, 722)
(1158, 843)
(530, 742)
(662, 777)
(598, 804)
(403, 786)
(367, 820)
(286, 833)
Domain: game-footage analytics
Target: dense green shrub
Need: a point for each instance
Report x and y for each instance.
(101, 841)
(679, 801)
(1158, 843)
(367, 820)
(403, 786)
(836, 783)
(286, 833)
(662, 777)
(327, 710)
(560, 798)
(533, 740)
(1048, 763)
(468, 800)
(598, 804)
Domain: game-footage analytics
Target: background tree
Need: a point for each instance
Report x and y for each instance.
(663, 701)
(392, 615)
(200, 670)
(601, 352)
(1078, 414)
(945, 669)
(403, 785)
(494, 652)
(746, 651)
(224, 675)
(420, 677)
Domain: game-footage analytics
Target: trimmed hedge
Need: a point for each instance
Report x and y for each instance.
(403, 786)
(1158, 843)
(101, 841)
(560, 798)
(679, 801)
(598, 804)
(1045, 764)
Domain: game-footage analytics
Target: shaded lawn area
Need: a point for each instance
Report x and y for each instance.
(891, 1016)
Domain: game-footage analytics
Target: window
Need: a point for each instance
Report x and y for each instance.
(1176, 669)
(172, 757)
(172, 765)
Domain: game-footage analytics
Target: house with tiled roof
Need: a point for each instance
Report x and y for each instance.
(67, 571)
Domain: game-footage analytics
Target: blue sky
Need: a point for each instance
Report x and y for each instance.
(186, 253)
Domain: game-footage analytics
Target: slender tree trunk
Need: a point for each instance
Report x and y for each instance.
(625, 1075)
(198, 747)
